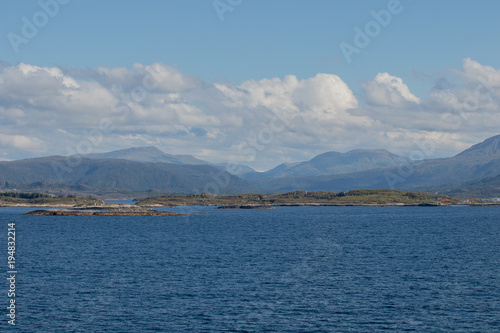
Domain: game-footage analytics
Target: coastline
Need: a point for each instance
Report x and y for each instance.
(264, 206)
(120, 210)
(249, 206)
(148, 210)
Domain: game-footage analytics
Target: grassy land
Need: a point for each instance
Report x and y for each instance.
(18, 198)
(354, 197)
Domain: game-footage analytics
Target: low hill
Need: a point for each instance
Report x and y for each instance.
(302, 198)
(483, 188)
(40, 199)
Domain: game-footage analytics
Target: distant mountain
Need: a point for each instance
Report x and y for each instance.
(239, 170)
(478, 162)
(334, 163)
(149, 170)
(148, 154)
(485, 149)
(123, 174)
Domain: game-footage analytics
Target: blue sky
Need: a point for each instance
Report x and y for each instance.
(424, 43)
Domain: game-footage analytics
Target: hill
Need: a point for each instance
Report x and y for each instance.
(302, 198)
(483, 188)
(40, 199)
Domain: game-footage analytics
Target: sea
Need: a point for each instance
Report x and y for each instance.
(288, 269)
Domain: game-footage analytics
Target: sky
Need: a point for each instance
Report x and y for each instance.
(257, 82)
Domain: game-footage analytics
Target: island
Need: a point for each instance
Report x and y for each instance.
(74, 206)
(92, 206)
(121, 210)
(362, 197)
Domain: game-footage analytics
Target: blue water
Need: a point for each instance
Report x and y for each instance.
(295, 269)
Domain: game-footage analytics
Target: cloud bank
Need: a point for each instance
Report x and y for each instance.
(62, 111)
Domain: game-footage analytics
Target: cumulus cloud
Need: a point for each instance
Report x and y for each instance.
(47, 91)
(477, 90)
(324, 96)
(23, 142)
(58, 110)
(154, 77)
(388, 90)
(474, 72)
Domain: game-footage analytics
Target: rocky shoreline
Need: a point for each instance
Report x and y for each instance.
(327, 205)
(246, 207)
(148, 210)
(36, 205)
(123, 210)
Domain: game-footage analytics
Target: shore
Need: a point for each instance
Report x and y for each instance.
(114, 210)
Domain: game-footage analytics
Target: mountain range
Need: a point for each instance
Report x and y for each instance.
(146, 155)
(332, 163)
(480, 162)
(149, 171)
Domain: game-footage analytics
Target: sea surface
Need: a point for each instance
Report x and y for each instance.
(289, 269)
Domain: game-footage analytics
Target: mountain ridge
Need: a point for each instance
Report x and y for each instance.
(333, 163)
(490, 146)
(121, 173)
(143, 169)
(147, 154)
(151, 154)
(481, 161)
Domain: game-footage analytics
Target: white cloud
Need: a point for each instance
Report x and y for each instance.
(477, 90)
(154, 77)
(474, 72)
(22, 142)
(44, 93)
(54, 110)
(388, 90)
(324, 96)
(29, 71)
(165, 78)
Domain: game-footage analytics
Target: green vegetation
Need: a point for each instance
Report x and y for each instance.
(22, 198)
(483, 188)
(354, 197)
(24, 195)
